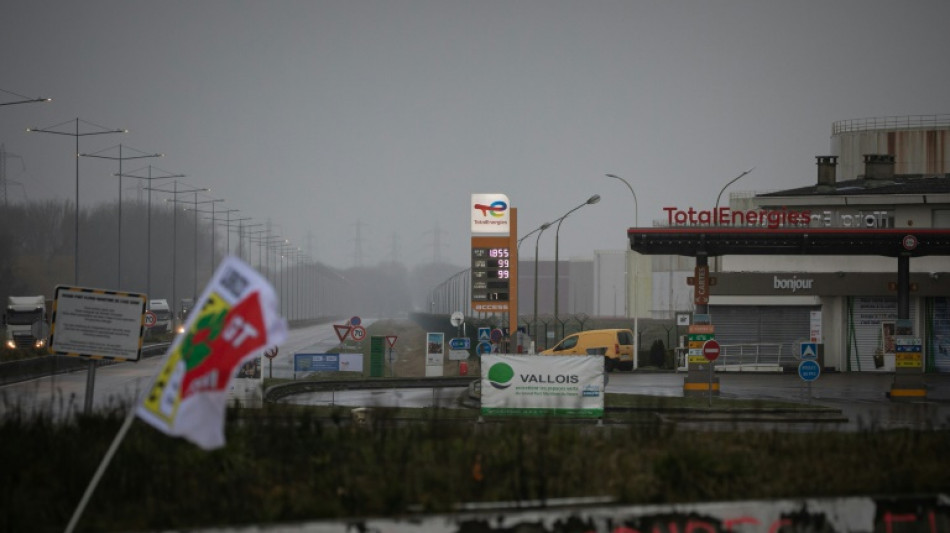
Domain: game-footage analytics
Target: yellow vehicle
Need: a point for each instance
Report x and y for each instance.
(616, 345)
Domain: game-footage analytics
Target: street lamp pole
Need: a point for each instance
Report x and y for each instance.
(23, 99)
(557, 233)
(175, 192)
(537, 240)
(101, 131)
(636, 277)
(195, 202)
(148, 223)
(120, 159)
(735, 179)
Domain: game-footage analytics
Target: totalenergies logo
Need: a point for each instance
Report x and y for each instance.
(496, 209)
(490, 214)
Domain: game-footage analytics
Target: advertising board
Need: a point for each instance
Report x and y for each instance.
(531, 385)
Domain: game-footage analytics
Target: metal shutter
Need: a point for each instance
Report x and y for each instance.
(764, 324)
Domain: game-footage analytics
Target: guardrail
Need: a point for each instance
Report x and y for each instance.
(278, 392)
(752, 357)
(48, 365)
(747, 358)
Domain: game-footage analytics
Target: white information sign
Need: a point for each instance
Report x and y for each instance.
(97, 323)
(533, 385)
(458, 355)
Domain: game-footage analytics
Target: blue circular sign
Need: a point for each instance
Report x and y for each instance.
(809, 370)
(483, 347)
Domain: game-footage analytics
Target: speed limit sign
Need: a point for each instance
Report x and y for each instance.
(150, 319)
(358, 333)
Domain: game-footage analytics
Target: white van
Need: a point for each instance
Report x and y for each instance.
(163, 315)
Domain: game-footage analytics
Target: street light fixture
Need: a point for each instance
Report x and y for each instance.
(120, 159)
(77, 134)
(175, 192)
(537, 240)
(195, 202)
(24, 99)
(148, 224)
(636, 278)
(735, 179)
(557, 233)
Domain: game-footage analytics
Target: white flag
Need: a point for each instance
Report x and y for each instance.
(234, 321)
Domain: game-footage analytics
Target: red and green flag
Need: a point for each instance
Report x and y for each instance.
(234, 321)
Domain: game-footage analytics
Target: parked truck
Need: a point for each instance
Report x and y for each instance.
(26, 322)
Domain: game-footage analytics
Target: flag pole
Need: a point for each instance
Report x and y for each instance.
(120, 436)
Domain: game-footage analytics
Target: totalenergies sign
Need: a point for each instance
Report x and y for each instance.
(776, 218)
(490, 214)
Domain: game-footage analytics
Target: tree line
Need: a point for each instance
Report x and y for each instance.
(171, 254)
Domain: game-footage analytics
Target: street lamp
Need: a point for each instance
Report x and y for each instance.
(148, 223)
(537, 240)
(195, 202)
(735, 179)
(242, 231)
(175, 192)
(636, 278)
(120, 159)
(77, 134)
(23, 99)
(557, 233)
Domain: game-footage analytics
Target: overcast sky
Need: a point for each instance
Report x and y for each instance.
(381, 118)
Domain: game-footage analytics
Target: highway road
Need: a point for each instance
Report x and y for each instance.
(123, 383)
(860, 397)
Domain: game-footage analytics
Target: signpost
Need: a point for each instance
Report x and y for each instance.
(711, 353)
(342, 330)
(390, 343)
(809, 370)
(150, 319)
(270, 355)
(97, 324)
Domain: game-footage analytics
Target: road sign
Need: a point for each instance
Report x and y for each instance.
(150, 319)
(355, 321)
(457, 318)
(496, 335)
(272, 353)
(484, 334)
(809, 350)
(391, 341)
(358, 333)
(483, 347)
(460, 343)
(342, 330)
(809, 370)
(711, 349)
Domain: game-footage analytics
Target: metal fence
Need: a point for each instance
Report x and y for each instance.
(748, 358)
(891, 123)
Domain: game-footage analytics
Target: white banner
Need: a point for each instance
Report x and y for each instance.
(543, 385)
(236, 319)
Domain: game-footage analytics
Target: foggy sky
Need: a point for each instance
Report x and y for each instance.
(383, 117)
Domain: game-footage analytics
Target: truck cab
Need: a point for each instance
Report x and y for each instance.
(26, 322)
(163, 315)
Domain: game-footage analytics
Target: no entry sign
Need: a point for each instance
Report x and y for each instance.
(711, 349)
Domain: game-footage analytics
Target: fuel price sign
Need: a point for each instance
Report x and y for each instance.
(491, 273)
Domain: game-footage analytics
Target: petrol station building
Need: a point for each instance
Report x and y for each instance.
(850, 264)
